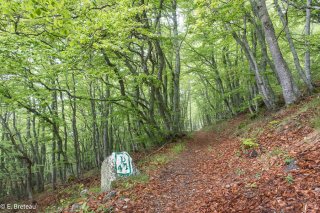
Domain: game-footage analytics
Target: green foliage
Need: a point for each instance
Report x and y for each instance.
(95, 189)
(159, 159)
(282, 154)
(277, 151)
(249, 143)
(178, 148)
(316, 122)
(69, 195)
(85, 208)
(311, 105)
(71, 178)
(131, 181)
(242, 125)
(253, 116)
(288, 160)
(219, 126)
(289, 178)
(274, 122)
(80, 80)
(154, 162)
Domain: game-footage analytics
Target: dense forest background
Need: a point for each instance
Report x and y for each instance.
(80, 79)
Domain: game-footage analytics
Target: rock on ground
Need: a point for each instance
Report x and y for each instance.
(108, 173)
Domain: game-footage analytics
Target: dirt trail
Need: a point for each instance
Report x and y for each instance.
(188, 183)
(212, 175)
(215, 175)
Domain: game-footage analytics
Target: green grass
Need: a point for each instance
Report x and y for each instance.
(250, 128)
(155, 161)
(67, 196)
(278, 152)
(218, 126)
(249, 143)
(131, 181)
(95, 189)
(151, 163)
(282, 154)
(289, 178)
(314, 103)
(159, 159)
(288, 160)
(274, 123)
(243, 125)
(178, 148)
(315, 122)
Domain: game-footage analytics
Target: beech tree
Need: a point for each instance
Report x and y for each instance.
(80, 80)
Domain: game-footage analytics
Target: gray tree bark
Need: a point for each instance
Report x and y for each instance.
(95, 129)
(290, 90)
(262, 83)
(307, 54)
(54, 107)
(176, 73)
(292, 47)
(77, 152)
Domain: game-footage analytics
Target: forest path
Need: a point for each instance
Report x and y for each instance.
(214, 175)
(188, 184)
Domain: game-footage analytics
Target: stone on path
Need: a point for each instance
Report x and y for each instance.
(292, 166)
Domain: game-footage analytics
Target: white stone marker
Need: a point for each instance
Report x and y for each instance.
(118, 164)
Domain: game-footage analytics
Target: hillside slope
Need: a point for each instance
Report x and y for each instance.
(215, 174)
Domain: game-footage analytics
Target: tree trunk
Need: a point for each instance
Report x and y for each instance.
(53, 148)
(105, 123)
(307, 54)
(75, 130)
(176, 73)
(95, 130)
(40, 181)
(290, 90)
(292, 47)
(263, 86)
(262, 40)
(65, 132)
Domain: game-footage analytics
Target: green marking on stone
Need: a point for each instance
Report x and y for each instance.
(122, 162)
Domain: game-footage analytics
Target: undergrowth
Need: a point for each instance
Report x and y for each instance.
(315, 122)
(131, 181)
(162, 158)
(70, 194)
(178, 148)
(249, 143)
(67, 196)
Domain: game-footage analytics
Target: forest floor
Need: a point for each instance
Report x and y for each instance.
(212, 173)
